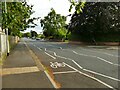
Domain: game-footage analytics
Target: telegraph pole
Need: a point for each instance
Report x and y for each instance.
(7, 41)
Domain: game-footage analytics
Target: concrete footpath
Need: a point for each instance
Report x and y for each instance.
(20, 70)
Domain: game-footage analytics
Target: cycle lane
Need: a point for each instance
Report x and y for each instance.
(63, 72)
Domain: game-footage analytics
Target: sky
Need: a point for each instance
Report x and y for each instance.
(42, 8)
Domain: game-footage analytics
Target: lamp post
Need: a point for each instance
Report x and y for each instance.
(7, 41)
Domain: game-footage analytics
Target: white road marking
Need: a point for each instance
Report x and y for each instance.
(50, 55)
(55, 54)
(92, 56)
(49, 77)
(87, 69)
(101, 52)
(83, 54)
(101, 74)
(64, 72)
(96, 57)
(57, 64)
(77, 64)
(45, 49)
(60, 47)
(39, 48)
(51, 80)
(91, 77)
(84, 68)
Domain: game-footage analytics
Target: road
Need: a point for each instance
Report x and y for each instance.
(75, 66)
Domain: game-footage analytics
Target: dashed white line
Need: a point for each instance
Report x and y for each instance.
(100, 52)
(50, 55)
(45, 49)
(96, 57)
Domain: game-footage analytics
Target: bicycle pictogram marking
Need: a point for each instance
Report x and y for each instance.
(57, 64)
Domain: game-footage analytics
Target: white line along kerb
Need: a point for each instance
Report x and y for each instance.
(51, 80)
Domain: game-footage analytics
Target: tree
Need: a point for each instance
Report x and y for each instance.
(17, 17)
(53, 24)
(33, 34)
(27, 34)
(96, 18)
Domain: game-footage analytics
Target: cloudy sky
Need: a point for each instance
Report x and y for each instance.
(42, 8)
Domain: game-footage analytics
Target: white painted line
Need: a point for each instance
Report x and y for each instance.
(77, 64)
(49, 77)
(39, 49)
(101, 52)
(86, 69)
(104, 60)
(82, 54)
(55, 54)
(45, 49)
(96, 57)
(101, 74)
(50, 55)
(60, 47)
(91, 77)
(90, 70)
(64, 72)
(51, 80)
(108, 61)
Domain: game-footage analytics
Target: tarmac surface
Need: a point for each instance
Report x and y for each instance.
(64, 66)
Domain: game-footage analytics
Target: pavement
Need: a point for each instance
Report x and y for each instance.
(21, 71)
(60, 65)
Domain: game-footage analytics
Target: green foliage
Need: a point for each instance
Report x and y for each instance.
(78, 6)
(53, 25)
(42, 36)
(0, 14)
(28, 34)
(33, 34)
(16, 17)
(95, 18)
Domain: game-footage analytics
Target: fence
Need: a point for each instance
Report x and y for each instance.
(6, 44)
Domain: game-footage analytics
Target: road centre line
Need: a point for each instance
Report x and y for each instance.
(89, 50)
(96, 57)
(91, 56)
(91, 77)
(64, 72)
(101, 52)
(80, 66)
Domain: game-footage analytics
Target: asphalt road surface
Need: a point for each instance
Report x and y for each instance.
(75, 66)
